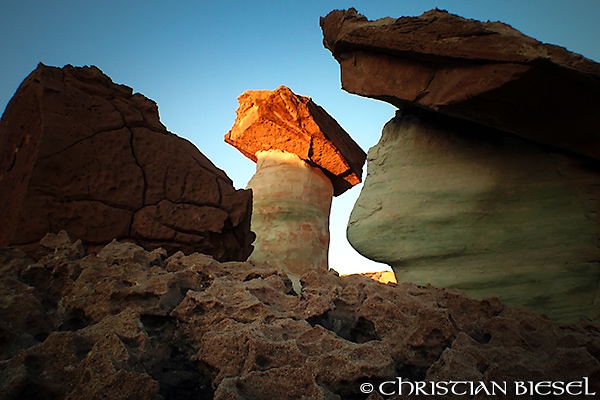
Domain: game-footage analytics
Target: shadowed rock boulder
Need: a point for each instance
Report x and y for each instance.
(484, 72)
(81, 153)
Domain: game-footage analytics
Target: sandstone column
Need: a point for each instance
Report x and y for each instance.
(303, 158)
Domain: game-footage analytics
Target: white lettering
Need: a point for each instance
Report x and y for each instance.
(577, 384)
(385, 393)
(454, 385)
(587, 388)
(558, 388)
(479, 388)
(501, 389)
(518, 386)
(441, 389)
(541, 385)
(420, 386)
(473, 388)
(409, 383)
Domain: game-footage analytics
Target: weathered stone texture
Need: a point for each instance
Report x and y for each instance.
(290, 214)
(283, 120)
(484, 72)
(132, 324)
(303, 158)
(491, 214)
(83, 154)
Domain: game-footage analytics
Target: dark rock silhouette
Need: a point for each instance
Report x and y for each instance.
(83, 154)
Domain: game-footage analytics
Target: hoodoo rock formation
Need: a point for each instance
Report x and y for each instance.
(126, 323)
(304, 157)
(453, 195)
(81, 153)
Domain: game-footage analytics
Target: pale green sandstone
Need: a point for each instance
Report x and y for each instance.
(485, 212)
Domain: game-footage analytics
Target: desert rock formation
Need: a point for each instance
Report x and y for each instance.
(303, 158)
(128, 323)
(495, 217)
(453, 196)
(83, 154)
(282, 120)
(291, 205)
(484, 72)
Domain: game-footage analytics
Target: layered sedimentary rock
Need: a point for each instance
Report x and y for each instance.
(134, 324)
(493, 215)
(80, 153)
(485, 72)
(303, 158)
(469, 204)
(291, 205)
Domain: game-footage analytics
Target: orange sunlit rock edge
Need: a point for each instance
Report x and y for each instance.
(283, 120)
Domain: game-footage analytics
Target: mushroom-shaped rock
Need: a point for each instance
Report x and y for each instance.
(304, 157)
(483, 72)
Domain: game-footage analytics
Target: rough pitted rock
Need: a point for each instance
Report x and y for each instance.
(282, 120)
(190, 327)
(81, 153)
(484, 72)
(488, 213)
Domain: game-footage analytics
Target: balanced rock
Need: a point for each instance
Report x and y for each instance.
(81, 153)
(459, 205)
(485, 72)
(282, 120)
(452, 196)
(304, 157)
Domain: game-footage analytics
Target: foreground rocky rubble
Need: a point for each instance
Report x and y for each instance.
(126, 323)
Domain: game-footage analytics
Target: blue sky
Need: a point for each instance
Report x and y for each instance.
(195, 57)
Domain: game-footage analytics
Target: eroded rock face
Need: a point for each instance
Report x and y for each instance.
(135, 323)
(282, 120)
(491, 214)
(487, 73)
(80, 153)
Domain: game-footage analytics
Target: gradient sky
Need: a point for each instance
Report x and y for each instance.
(195, 57)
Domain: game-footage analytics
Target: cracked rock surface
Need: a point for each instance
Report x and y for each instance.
(484, 72)
(131, 324)
(81, 153)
